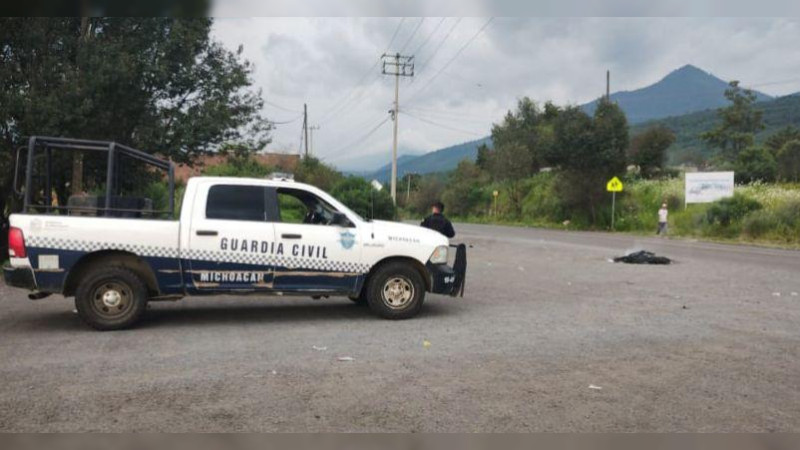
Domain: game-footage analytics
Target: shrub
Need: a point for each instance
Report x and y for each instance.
(759, 223)
(542, 203)
(728, 210)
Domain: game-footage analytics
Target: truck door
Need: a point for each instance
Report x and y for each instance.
(321, 247)
(231, 244)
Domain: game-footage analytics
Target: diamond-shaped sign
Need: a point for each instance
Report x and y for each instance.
(614, 185)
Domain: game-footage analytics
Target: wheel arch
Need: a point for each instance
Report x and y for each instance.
(418, 266)
(119, 258)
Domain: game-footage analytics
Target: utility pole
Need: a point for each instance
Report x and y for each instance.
(305, 126)
(311, 138)
(399, 66)
(408, 188)
(608, 85)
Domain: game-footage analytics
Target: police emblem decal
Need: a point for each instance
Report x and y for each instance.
(347, 240)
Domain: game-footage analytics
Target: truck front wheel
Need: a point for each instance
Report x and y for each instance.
(396, 291)
(111, 298)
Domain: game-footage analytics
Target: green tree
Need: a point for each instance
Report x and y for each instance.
(755, 164)
(483, 157)
(158, 84)
(520, 128)
(777, 140)
(359, 195)
(430, 190)
(789, 161)
(740, 122)
(315, 172)
(589, 151)
(464, 194)
(648, 150)
(510, 164)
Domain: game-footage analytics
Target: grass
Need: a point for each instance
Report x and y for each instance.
(759, 214)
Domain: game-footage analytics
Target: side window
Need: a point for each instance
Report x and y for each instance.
(298, 206)
(236, 202)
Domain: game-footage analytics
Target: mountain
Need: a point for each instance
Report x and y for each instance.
(682, 91)
(441, 160)
(366, 164)
(778, 113)
(685, 100)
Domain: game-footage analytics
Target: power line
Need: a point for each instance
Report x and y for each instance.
(362, 138)
(450, 61)
(283, 108)
(452, 116)
(286, 121)
(413, 33)
(347, 97)
(428, 38)
(441, 43)
(439, 124)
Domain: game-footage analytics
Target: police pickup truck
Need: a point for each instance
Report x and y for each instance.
(234, 236)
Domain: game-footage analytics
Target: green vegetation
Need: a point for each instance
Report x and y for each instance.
(580, 153)
(161, 85)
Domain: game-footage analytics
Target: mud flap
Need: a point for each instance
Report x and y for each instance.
(460, 270)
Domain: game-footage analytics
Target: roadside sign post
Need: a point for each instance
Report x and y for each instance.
(614, 185)
(495, 194)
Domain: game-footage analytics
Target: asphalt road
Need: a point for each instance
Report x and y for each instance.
(710, 343)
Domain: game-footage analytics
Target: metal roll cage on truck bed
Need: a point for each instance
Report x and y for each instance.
(232, 236)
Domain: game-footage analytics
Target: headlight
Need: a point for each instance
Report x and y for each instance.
(439, 256)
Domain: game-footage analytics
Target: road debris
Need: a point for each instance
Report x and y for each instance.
(345, 358)
(274, 372)
(642, 257)
(319, 349)
(426, 343)
(596, 388)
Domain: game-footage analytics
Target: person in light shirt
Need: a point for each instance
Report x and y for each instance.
(662, 220)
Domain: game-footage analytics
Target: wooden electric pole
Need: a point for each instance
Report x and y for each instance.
(399, 66)
(608, 85)
(305, 126)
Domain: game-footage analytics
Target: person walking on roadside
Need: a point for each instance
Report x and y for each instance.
(662, 220)
(438, 222)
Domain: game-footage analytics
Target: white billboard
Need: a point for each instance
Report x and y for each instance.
(706, 187)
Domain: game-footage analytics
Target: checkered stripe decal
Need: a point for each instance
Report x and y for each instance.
(92, 246)
(201, 255)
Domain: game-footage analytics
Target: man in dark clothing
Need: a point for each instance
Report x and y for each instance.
(437, 221)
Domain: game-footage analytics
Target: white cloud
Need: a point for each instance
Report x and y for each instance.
(320, 61)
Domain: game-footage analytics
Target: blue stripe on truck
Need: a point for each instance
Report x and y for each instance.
(201, 276)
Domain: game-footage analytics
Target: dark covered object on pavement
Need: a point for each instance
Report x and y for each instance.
(642, 257)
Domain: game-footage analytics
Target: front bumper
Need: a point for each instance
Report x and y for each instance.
(450, 280)
(20, 277)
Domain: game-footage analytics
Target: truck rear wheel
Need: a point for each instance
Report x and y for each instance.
(111, 298)
(396, 291)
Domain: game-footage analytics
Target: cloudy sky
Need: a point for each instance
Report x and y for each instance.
(467, 78)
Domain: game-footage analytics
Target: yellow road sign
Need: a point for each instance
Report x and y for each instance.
(614, 185)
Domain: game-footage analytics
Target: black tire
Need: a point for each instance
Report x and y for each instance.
(410, 285)
(111, 298)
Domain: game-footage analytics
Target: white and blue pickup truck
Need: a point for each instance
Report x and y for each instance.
(234, 236)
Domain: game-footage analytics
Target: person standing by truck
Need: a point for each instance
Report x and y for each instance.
(662, 220)
(438, 222)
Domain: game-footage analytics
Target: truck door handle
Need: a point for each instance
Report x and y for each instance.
(206, 232)
(291, 236)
